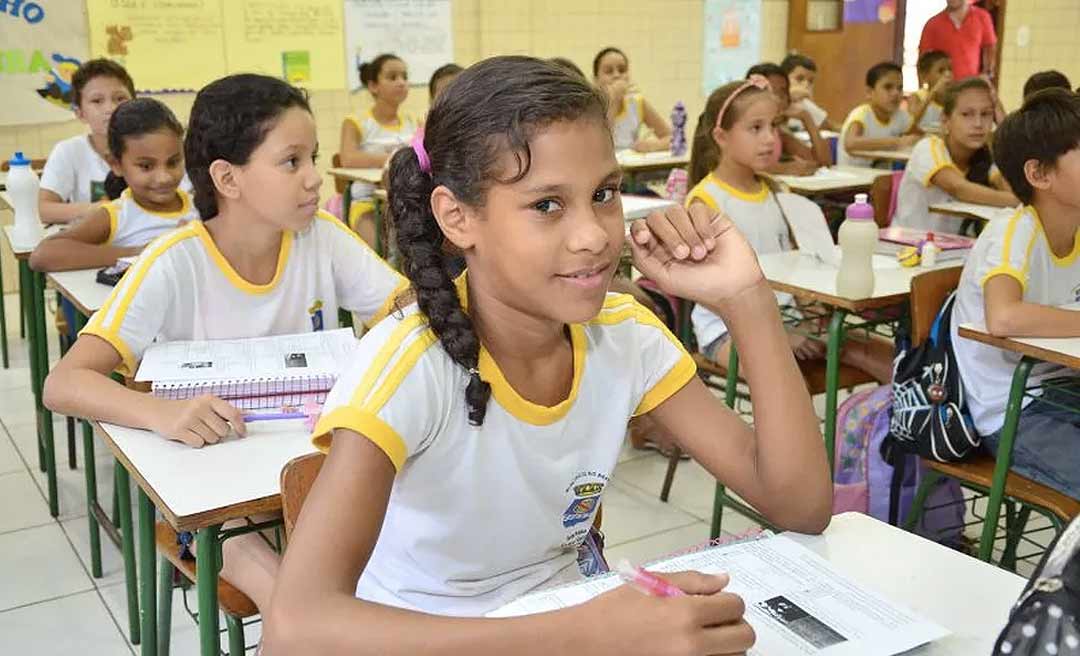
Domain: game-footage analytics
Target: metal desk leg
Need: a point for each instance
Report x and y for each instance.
(123, 489)
(207, 550)
(147, 575)
(40, 360)
(832, 381)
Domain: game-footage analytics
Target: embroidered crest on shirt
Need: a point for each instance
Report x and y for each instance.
(316, 314)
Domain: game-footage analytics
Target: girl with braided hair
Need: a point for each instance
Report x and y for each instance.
(472, 438)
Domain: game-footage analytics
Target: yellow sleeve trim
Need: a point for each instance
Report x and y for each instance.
(699, 193)
(128, 365)
(928, 180)
(114, 220)
(364, 423)
(388, 305)
(356, 124)
(357, 209)
(1005, 270)
(393, 379)
(681, 374)
(382, 358)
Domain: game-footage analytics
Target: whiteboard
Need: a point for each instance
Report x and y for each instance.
(418, 31)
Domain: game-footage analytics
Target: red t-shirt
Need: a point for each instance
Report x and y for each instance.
(964, 44)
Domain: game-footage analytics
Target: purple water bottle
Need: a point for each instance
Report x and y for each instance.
(678, 126)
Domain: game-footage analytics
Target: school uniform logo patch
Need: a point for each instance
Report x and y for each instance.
(586, 500)
(316, 314)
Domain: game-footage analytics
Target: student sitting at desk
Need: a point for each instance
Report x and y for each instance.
(466, 466)
(925, 105)
(880, 123)
(263, 261)
(1019, 273)
(147, 160)
(791, 155)
(628, 110)
(802, 73)
(368, 142)
(955, 166)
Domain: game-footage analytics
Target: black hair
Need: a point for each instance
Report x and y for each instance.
(1046, 80)
(878, 71)
(370, 71)
(704, 152)
(795, 60)
(497, 106)
(444, 71)
(600, 55)
(134, 119)
(568, 65)
(1045, 127)
(766, 69)
(100, 67)
(982, 159)
(229, 119)
(927, 60)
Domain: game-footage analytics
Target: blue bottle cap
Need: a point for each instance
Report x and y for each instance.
(19, 159)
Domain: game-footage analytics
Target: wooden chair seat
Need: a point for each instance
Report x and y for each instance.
(231, 600)
(813, 372)
(980, 471)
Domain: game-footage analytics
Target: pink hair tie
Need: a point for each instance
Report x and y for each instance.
(421, 153)
(755, 80)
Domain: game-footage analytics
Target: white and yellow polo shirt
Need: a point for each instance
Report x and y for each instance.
(1014, 247)
(379, 138)
(480, 515)
(627, 124)
(183, 288)
(131, 224)
(898, 124)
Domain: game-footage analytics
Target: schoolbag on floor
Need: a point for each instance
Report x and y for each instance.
(862, 479)
(929, 417)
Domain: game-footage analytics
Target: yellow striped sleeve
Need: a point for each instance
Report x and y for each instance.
(113, 210)
(940, 160)
(698, 193)
(1006, 267)
(363, 423)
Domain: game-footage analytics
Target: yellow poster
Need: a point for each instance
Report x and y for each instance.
(300, 40)
(164, 44)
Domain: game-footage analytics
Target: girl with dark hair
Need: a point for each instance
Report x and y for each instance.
(957, 165)
(147, 161)
(368, 141)
(442, 76)
(628, 110)
(476, 431)
(262, 261)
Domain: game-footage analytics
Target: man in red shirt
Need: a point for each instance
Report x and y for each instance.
(966, 33)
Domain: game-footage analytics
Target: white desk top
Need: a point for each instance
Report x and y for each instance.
(631, 160)
(81, 288)
(1064, 351)
(801, 274)
(834, 178)
(965, 595)
(971, 210)
(888, 155)
(194, 488)
(22, 251)
(371, 176)
(639, 207)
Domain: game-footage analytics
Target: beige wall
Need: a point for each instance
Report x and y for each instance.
(1052, 27)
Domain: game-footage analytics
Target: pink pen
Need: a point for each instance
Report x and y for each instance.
(646, 581)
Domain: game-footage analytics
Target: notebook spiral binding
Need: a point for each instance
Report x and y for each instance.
(251, 393)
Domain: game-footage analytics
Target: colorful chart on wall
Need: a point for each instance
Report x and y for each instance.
(164, 45)
(732, 41)
(43, 43)
(418, 31)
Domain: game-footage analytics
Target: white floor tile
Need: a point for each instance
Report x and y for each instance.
(691, 490)
(79, 624)
(9, 456)
(112, 562)
(21, 504)
(38, 564)
(651, 548)
(17, 406)
(630, 514)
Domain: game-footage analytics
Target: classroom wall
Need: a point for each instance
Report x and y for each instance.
(1052, 26)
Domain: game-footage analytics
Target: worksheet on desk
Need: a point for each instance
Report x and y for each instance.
(796, 601)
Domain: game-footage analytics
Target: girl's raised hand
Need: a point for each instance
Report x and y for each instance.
(696, 254)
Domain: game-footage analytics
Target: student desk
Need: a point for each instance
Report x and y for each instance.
(198, 490)
(634, 164)
(807, 278)
(969, 210)
(372, 177)
(1059, 351)
(892, 156)
(835, 179)
(969, 597)
(32, 301)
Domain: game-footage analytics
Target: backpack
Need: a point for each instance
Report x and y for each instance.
(929, 415)
(862, 479)
(1046, 617)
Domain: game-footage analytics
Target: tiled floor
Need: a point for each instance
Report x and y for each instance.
(45, 573)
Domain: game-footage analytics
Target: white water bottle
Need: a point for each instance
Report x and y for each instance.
(858, 241)
(22, 186)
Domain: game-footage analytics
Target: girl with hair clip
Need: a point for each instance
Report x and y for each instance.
(472, 439)
(146, 156)
(368, 141)
(262, 261)
(957, 165)
(627, 108)
(734, 139)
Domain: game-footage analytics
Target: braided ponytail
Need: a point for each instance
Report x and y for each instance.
(492, 108)
(420, 241)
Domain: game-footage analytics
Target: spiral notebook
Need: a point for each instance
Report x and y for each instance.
(252, 374)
